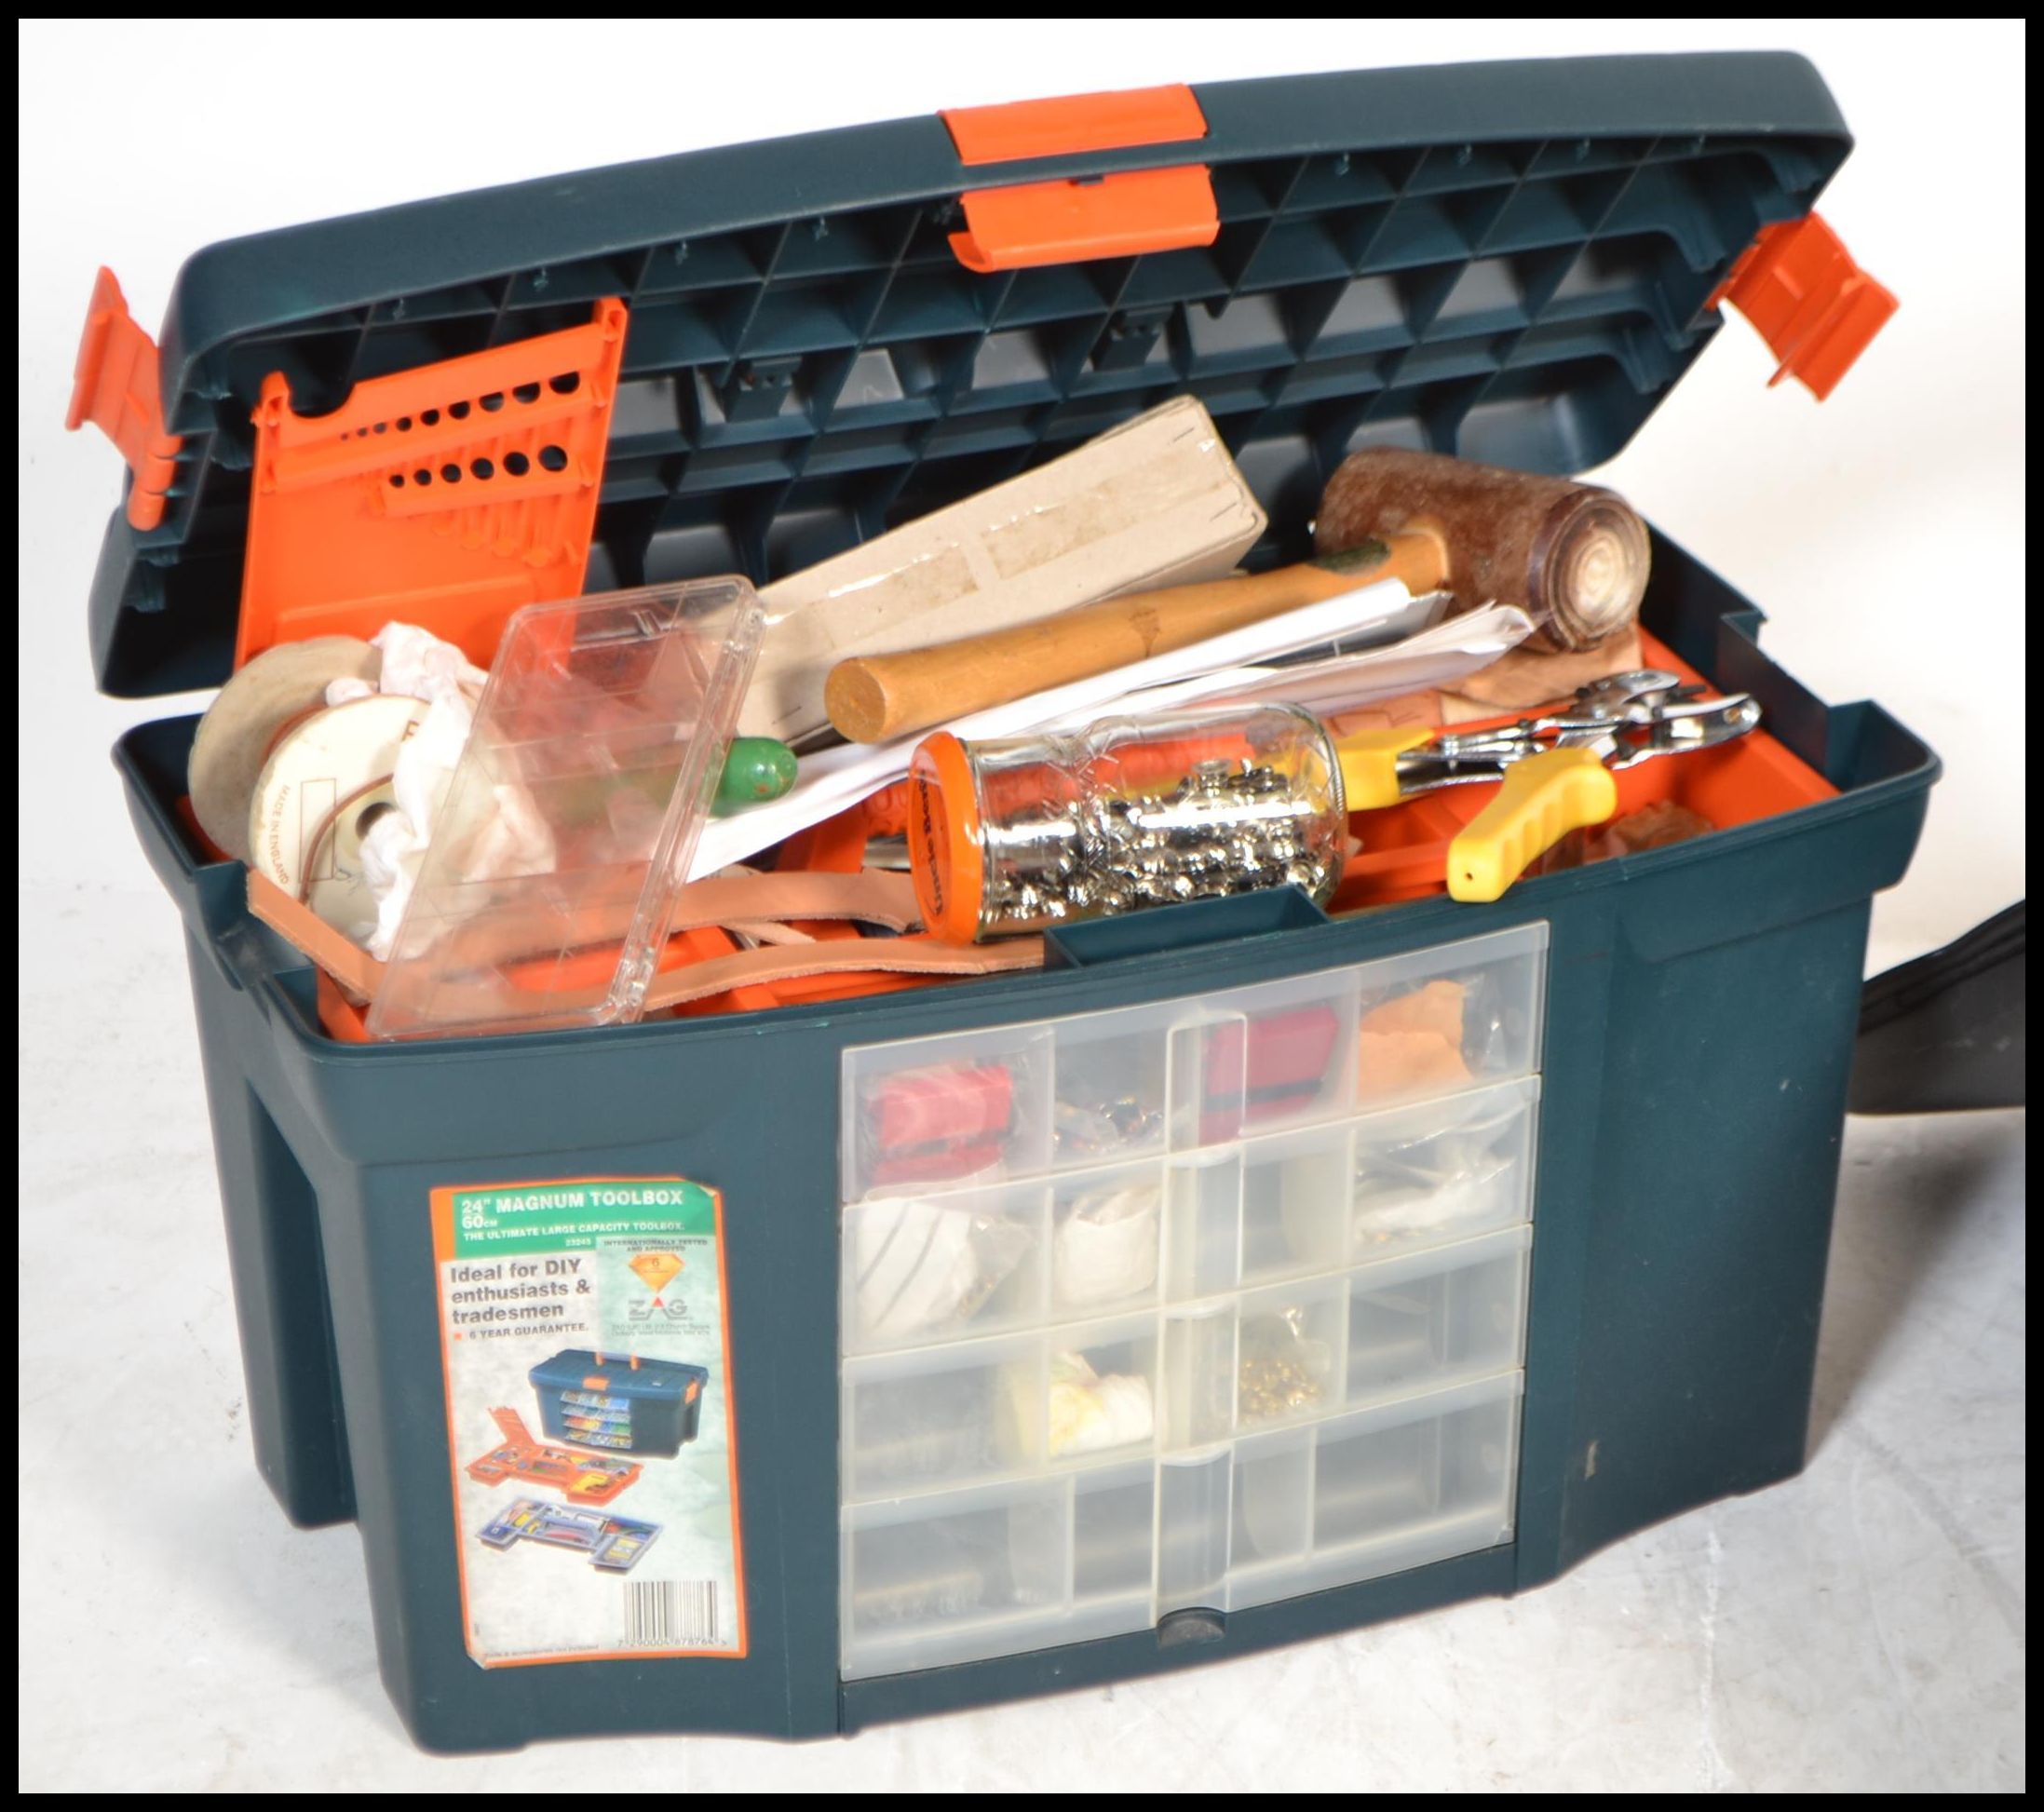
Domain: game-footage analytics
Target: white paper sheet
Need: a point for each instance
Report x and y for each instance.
(834, 780)
(1435, 658)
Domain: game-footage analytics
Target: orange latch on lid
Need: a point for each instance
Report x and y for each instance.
(449, 495)
(117, 386)
(1074, 122)
(1117, 215)
(1817, 310)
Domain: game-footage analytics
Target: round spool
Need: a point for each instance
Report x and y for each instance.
(234, 738)
(331, 756)
(335, 886)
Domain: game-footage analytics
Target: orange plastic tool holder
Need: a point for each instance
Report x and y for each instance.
(1118, 215)
(1817, 310)
(447, 496)
(115, 385)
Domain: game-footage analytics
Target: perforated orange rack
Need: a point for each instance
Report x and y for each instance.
(448, 496)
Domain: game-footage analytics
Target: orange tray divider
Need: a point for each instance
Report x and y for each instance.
(448, 496)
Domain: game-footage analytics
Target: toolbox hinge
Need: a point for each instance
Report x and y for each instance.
(117, 386)
(1817, 310)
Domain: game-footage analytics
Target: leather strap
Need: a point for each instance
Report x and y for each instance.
(890, 955)
(758, 903)
(872, 897)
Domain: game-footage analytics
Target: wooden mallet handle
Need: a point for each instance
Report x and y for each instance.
(875, 698)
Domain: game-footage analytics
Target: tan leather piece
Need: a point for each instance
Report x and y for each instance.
(889, 956)
(755, 903)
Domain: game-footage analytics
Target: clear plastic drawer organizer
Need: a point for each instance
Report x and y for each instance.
(1202, 1303)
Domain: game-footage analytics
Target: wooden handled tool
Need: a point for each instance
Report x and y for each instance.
(1574, 557)
(875, 698)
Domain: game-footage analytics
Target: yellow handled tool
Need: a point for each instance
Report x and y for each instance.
(1555, 770)
(1543, 799)
(1370, 777)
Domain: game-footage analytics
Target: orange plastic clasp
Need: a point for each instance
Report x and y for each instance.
(1074, 123)
(1817, 310)
(1116, 216)
(1112, 216)
(117, 388)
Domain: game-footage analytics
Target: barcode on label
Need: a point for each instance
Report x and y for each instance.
(671, 1613)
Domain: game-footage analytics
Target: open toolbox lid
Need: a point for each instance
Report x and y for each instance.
(831, 334)
(617, 1374)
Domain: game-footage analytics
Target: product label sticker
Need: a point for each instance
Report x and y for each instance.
(587, 1362)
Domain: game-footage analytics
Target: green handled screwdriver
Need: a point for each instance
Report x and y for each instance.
(755, 769)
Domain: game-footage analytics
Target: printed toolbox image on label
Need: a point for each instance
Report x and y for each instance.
(589, 1417)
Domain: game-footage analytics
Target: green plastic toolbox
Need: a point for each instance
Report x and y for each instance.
(1243, 1367)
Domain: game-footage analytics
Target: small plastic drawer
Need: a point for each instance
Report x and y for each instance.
(934, 1113)
(1288, 1362)
(1101, 1392)
(1282, 1056)
(1113, 1534)
(1437, 1319)
(1297, 1191)
(1106, 1232)
(1112, 1082)
(943, 1416)
(1439, 1021)
(1273, 1507)
(925, 1268)
(1444, 1171)
(956, 1578)
(1418, 1481)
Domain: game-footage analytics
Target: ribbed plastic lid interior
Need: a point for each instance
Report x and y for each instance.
(1511, 262)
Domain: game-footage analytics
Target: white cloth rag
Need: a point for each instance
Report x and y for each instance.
(418, 664)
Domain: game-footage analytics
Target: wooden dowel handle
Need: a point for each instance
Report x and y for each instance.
(875, 698)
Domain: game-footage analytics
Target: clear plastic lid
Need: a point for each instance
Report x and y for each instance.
(568, 825)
